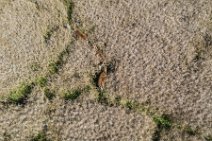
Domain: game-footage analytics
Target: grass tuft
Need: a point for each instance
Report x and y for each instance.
(132, 105)
(162, 121)
(49, 94)
(40, 137)
(70, 7)
(129, 104)
(41, 81)
(87, 88)
(54, 67)
(19, 95)
(72, 94)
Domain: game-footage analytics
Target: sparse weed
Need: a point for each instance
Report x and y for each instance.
(40, 137)
(162, 121)
(87, 88)
(41, 81)
(70, 7)
(129, 104)
(47, 36)
(132, 105)
(117, 100)
(49, 33)
(19, 95)
(62, 55)
(54, 67)
(102, 98)
(49, 94)
(72, 94)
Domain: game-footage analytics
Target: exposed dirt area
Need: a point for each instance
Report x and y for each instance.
(106, 70)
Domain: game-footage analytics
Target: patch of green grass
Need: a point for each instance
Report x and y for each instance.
(72, 94)
(163, 121)
(129, 104)
(208, 138)
(132, 105)
(54, 67)
(87, 88)
(70, 7)
(49, 94)
(18, 95)
(40, 137)
(41, 81)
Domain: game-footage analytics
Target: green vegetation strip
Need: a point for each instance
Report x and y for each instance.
(18, 95)
(55, 66)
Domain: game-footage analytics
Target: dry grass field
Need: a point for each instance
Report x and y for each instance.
(106, 70)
